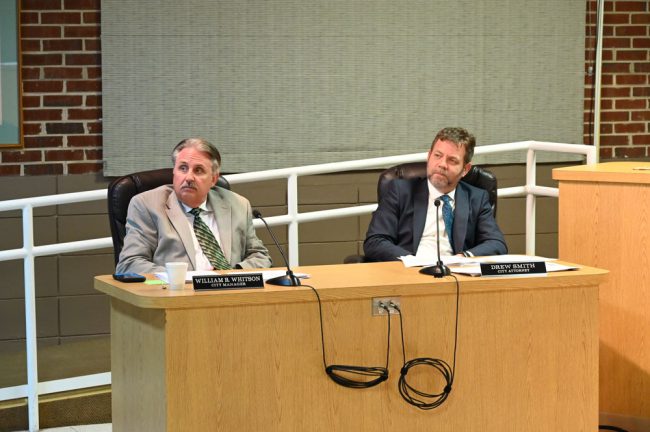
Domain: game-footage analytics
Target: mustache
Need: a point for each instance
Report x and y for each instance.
(188, 185)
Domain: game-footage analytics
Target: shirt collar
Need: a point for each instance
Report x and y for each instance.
(435, 194)
(203, 206)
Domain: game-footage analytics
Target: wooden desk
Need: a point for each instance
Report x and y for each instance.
(604, 221)
(251, 360)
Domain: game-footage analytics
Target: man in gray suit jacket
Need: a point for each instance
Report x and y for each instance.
(159, 226)
(405, 220)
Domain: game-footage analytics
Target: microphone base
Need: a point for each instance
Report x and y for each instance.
(438, 271)
(287, 280)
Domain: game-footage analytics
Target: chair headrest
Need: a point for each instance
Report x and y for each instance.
(122, 189)
(408, 170)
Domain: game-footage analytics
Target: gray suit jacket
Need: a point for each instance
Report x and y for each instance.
(157, 232)
(398, 223)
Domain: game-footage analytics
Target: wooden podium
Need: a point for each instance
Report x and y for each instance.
(251, 360)
(604, 221)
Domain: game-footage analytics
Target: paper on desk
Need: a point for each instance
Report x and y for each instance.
(266, 274)
(513, 258)
(420, 261)
(471, 265)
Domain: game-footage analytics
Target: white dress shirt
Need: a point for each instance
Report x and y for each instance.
(428, 247)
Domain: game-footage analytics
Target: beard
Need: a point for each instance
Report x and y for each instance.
(444, 181)
(440, 179)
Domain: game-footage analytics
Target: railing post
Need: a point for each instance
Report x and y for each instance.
(30, 318)
(598, 77)
(531, 181)
(592, 156)
(292, 211)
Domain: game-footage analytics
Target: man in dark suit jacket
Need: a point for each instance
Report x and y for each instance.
(159, 226)
(404, 222)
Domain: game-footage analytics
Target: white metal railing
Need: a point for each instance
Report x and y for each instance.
(29, 251)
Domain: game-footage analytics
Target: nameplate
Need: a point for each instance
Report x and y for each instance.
(225, 282)
(513, 269)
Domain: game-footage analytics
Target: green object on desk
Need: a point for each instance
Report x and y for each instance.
(155, 282)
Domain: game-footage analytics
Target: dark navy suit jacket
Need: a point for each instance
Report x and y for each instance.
(398, 223)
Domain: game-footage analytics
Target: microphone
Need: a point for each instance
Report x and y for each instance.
(289, 279)
(439, 270)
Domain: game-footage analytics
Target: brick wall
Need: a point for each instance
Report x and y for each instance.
(625, 93)
(61, 85)
(61, 89)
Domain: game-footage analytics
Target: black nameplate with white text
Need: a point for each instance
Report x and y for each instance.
(513, 269)
(226, 282)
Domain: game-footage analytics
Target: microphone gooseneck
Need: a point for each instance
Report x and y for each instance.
(439, 270)
(289, 279)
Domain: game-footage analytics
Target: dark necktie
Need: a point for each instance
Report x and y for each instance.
(447, 215)
(209, 244)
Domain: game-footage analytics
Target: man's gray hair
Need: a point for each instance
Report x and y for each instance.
(203, 145)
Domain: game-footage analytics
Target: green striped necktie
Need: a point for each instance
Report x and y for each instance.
(209, 244)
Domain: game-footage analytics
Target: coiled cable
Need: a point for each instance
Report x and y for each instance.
(419, 398)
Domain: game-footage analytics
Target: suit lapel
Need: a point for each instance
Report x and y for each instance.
(461, 214)
(177, 217)
(223, 215)
(420, 205)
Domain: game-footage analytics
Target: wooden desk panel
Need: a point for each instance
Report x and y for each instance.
(527, 353)
(604, 221)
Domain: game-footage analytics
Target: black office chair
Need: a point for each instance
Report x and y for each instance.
(122, 189)
(477, 176)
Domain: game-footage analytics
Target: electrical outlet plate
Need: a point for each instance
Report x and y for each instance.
(377, 310)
